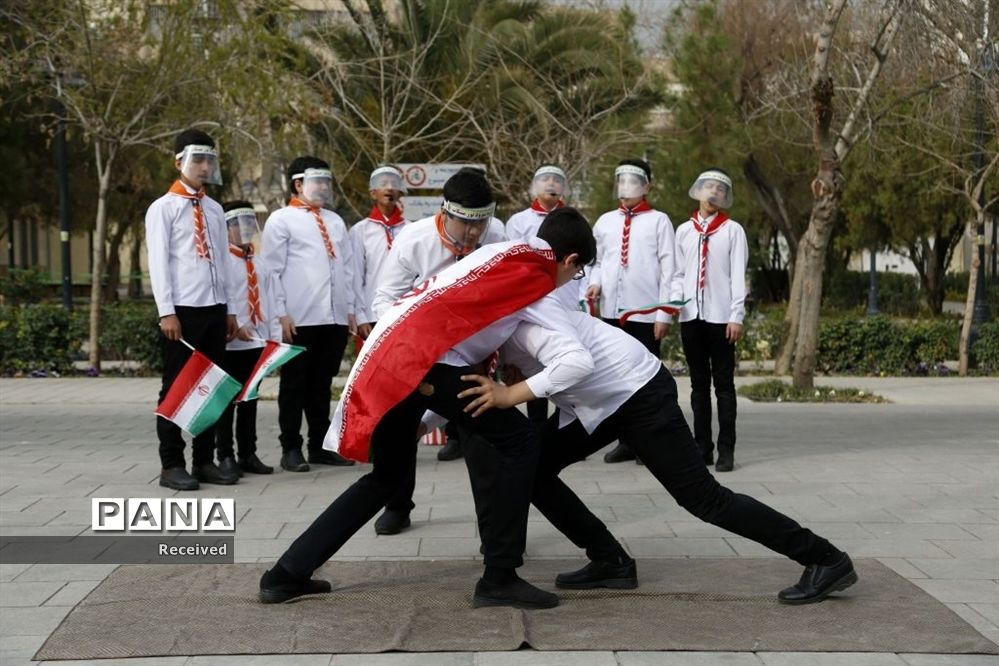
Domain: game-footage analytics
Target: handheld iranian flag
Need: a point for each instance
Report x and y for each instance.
(274, 355)
(670, 308)
(198, 395)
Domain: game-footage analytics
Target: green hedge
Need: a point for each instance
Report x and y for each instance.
(129, 332)
(985, 350)
(875, 345)
(42, 337)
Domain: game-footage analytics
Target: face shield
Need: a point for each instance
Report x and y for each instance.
(550, 181)
(467, 225)
(630, 182)
(712, 187)
(242, 224)
(200, 164)
(317, 186)
(387, 178)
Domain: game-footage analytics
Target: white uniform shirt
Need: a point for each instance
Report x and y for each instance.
(370, 252)
(177, 275)
(723, 298)
(417, 254)
(646, 280)
(306, 284)
(621, 365)
(524, 225)
(268, 328)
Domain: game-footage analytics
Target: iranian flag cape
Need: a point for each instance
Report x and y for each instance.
(487, 285)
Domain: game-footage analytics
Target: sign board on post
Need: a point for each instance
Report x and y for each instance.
(417, 208)
(431, 176)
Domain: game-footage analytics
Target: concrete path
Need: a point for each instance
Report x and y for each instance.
(914, 483)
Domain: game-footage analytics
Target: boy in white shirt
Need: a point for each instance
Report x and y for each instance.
(402, 371)
(630, 394)
(373, 238)
(634, 265)
(711, 259)
(241, 355)
(422, 250)
(309, 263)
(187, 243)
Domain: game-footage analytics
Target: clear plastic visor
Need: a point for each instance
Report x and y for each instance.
(317, 186)
(200, 164)
(387, 179)
(631, 185)
(242, 224)
(549, 183)
(712, 190)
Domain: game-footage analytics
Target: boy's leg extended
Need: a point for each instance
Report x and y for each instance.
(654, 421)
(392, 444)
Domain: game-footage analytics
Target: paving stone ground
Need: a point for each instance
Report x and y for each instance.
(914, 484)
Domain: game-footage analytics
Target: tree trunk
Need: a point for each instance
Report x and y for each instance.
(113, 268)
(100, 230)
(785, 357)
(969, 304)
(828, 190)
(135, 261)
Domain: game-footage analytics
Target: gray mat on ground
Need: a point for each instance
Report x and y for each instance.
(425, 606)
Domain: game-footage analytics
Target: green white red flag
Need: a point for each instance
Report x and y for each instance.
(198, 396)
(274, 355)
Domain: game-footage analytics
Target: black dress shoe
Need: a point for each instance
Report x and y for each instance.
(392, 522)
(615, 575)
(276, 593)
(294, 461)
(726, 461)
(516, 594)
(818, 582)
(229, 467)
(178, 479)
(323, 457)
(620, 453)
(253, 465)
(450, 451)
(210, 473)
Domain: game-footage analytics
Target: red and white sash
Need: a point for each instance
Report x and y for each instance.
(705, 231)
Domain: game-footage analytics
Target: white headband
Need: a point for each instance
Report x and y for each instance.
(632, 170)
(386, 169)
(314, 173)
(458, 210)
(199, 150)
(716, 175)
(239, 212)
(550, 169)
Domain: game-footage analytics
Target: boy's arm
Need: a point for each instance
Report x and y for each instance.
(158, 248)
(667, 262)
(679, 267)
(739, 257)
(396, 278)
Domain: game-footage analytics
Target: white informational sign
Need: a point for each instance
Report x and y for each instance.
(417, 208)
(430, 176)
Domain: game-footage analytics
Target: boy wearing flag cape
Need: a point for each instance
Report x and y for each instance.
(187, 245)
(422, 250)
(634, 265)
(711, 258)
(415, 359)
(241, 356)
(630, 394)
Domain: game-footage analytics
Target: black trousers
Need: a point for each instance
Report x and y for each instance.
(305, 385)
(653, 422)
(641, 331)
(710, 357)
(239, 363)
(204, 329)
(537, 411)
(512, 447)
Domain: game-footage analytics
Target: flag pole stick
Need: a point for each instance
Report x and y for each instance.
(187, 344)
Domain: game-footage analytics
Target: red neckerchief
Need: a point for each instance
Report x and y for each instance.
(245, 252)
(641, 207)
(705, 231)
(538, 208)
(393, 220)
(298, 203)
(453, 248)
(200, 242)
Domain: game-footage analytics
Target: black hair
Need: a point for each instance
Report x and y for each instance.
(192, 137)
(468, 187)
(300, 164)
(568, 232)
(233, 205)
(641, 164)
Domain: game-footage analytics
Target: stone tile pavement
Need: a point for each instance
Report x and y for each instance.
(914, 483)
